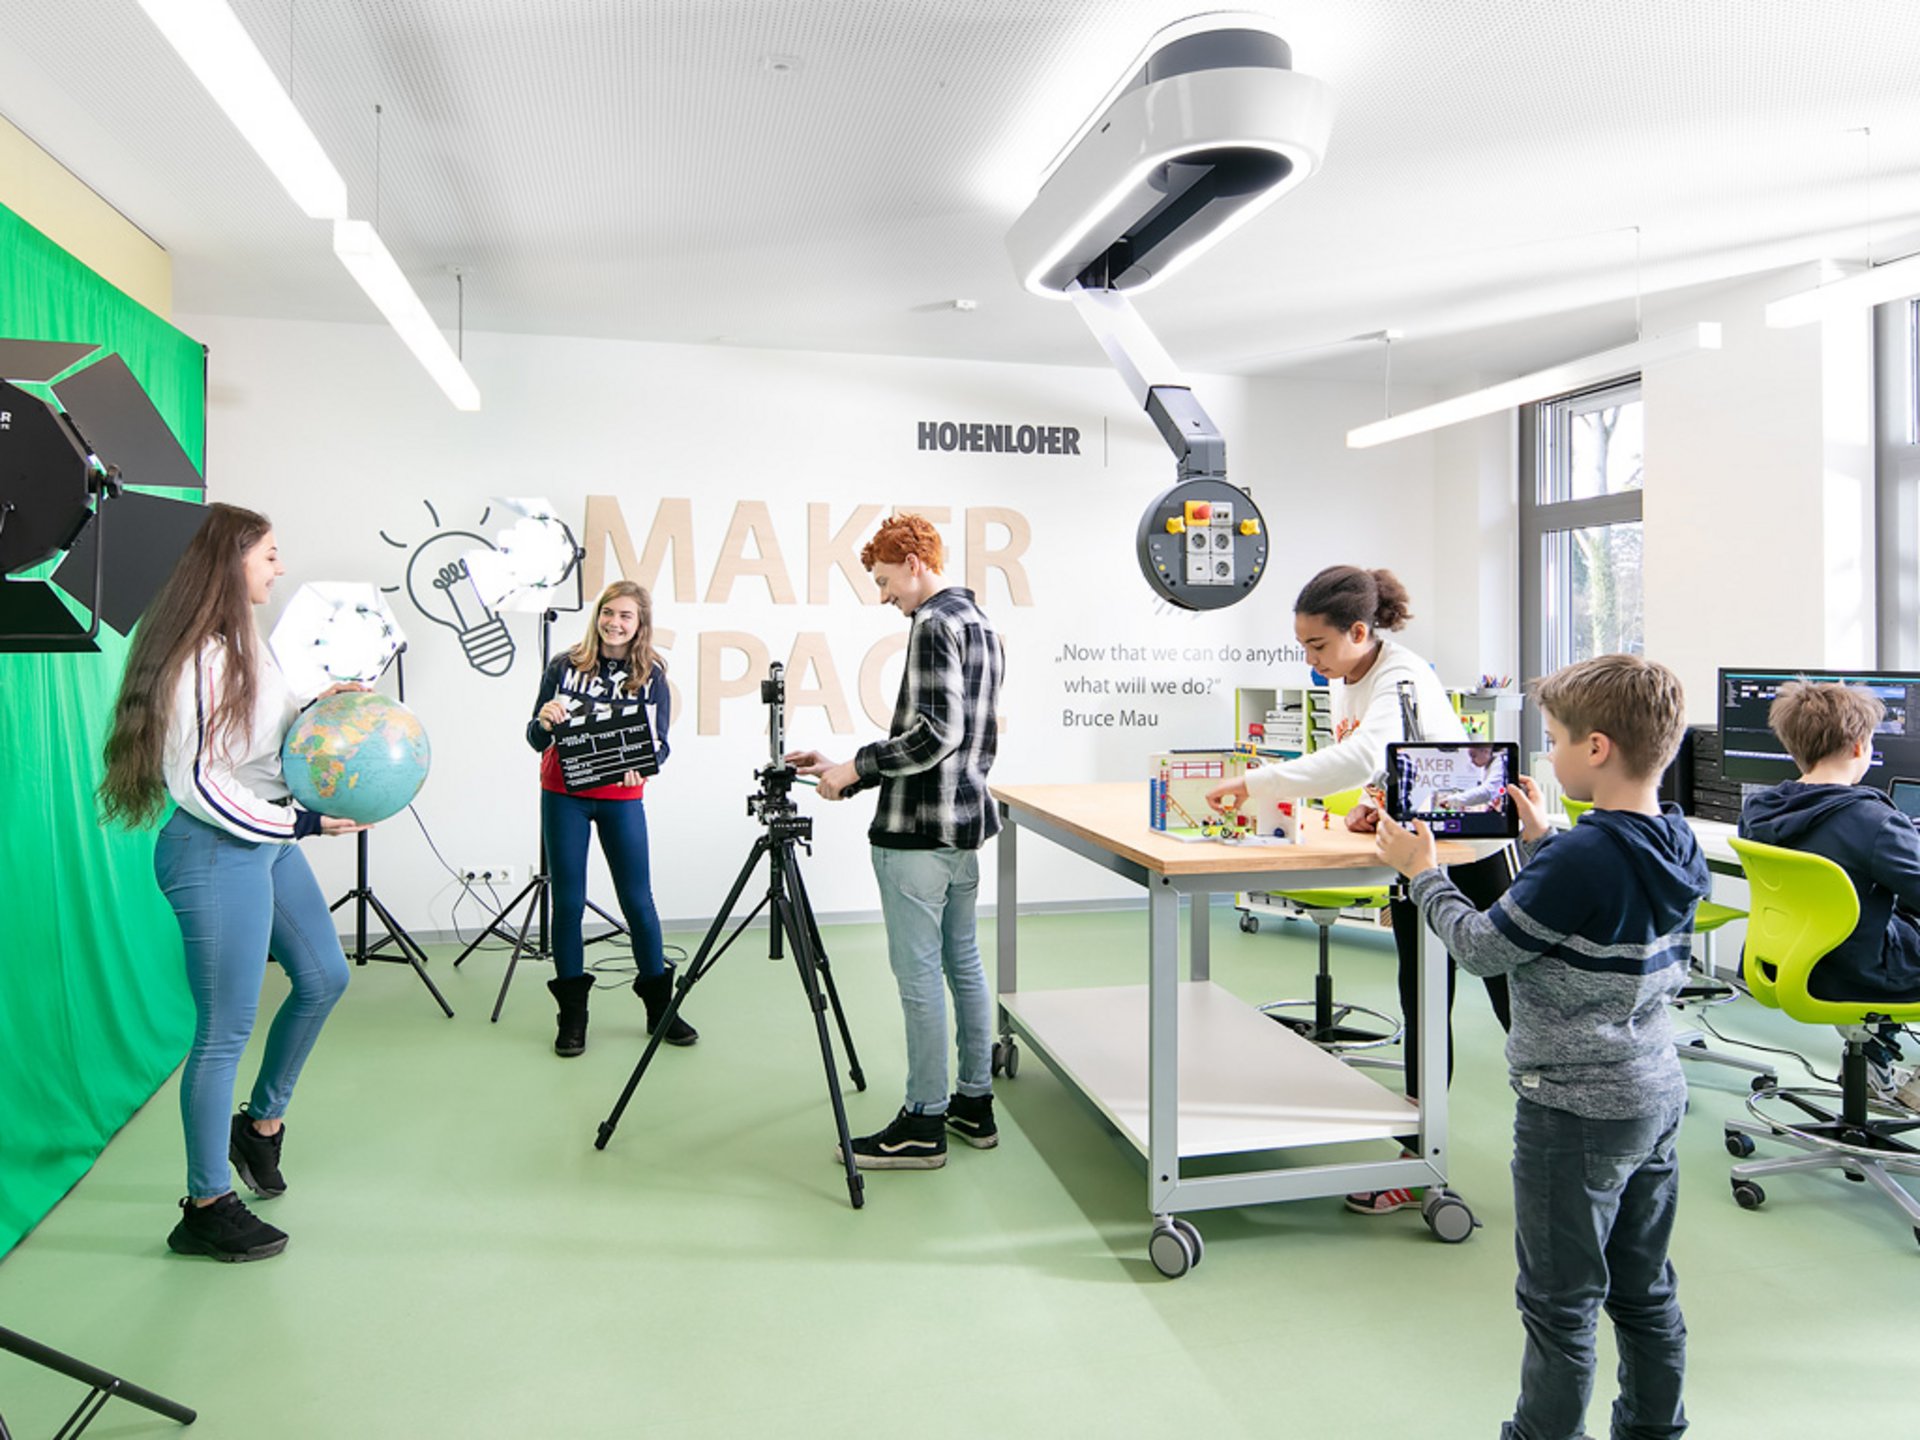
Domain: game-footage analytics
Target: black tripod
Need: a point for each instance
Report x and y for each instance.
(363, 897)
(790, 922)
(102, 1386)
(537, 893)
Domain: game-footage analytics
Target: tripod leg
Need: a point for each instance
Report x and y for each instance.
(806, 961)
(702, 961)
(519, 944)
(805, 907)
(493, 926)
(618, 928)
(409, 950)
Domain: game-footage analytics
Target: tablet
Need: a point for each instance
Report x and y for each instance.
(1459, 787)
(1906, 795)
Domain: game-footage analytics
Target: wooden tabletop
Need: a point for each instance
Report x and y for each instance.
(1114, 816)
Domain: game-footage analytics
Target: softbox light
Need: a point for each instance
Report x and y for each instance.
(335, 632)
(535, 562)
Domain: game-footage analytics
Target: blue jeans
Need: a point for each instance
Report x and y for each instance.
(928, 898)
(239, 903)
(623, 839)
(1593, 1205)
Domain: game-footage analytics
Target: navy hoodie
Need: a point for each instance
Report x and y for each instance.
(1593, 935)
(1860, 831)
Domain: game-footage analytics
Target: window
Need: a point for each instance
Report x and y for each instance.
(1582, 466)
(1896, 381)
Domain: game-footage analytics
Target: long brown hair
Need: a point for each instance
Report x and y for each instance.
(206, 596)
(641, 656)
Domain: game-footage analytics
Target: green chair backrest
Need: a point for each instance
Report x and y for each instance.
(1802, 906)
(1575, 808)
(1341, 801)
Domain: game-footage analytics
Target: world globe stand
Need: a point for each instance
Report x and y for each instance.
(363, 897)
(537, 893)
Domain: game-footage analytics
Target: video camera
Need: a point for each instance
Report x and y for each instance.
(772, 805)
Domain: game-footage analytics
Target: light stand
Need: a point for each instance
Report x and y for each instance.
(537, 893)
(790, 919)
(103, 1386)
(363, 897)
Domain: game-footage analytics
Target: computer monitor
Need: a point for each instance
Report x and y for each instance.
(1751, 752)
(1906, 797)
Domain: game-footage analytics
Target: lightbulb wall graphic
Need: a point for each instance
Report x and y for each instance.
(441, 589)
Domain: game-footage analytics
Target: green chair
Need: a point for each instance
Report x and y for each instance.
(1323, 1019)
(1704, 987)
(1803, 907)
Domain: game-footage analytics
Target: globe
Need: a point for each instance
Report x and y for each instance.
(356, 755)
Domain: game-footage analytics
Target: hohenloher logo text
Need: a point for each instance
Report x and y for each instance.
(988, 439)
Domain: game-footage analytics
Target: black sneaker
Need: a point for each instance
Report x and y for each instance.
(257, 1157)
(224, 1230)
(971, 1118)
(911, 1142)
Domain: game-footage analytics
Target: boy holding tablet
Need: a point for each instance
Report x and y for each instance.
(1593, 936)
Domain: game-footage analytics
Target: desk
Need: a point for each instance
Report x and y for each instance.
(1188, 1069)
(1713, 836)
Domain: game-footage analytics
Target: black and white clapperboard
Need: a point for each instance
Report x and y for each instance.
(602, 742)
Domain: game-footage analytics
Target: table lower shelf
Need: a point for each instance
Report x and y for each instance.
(1246, 1083)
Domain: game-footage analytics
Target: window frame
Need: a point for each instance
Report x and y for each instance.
(1543, 424)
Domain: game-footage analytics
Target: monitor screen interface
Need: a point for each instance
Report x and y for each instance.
(1752, 753)
(1459, 789)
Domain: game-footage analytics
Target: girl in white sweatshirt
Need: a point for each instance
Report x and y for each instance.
(1340, 619)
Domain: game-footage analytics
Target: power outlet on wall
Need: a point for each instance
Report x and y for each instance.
(488, 873)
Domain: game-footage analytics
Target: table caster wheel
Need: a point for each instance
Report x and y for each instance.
(1198, 1245)
(1170, 1250)
(1249, 923)
(1747, 1195)
(1739, 1145)
(1006, 1058)
(1448, 1217)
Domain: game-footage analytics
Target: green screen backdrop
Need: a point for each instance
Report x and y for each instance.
(94, 1009)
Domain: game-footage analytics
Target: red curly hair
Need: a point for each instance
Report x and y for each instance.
(902, 535)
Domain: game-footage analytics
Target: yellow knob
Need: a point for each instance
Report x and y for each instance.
(1176, 525)
(1249, 527)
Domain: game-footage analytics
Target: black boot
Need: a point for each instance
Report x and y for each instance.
(657, 993)
(571, 996)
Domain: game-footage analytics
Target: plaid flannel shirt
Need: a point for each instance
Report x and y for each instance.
(932, 767)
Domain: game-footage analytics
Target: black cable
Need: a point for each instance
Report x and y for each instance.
(1806, 1064)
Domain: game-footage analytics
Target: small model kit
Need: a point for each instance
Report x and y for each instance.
(1178, 786)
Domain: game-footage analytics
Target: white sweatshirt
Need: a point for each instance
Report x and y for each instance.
(1366, 719)
(244, 792)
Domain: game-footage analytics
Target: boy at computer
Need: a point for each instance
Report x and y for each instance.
(1828, 730)
(1593, 937)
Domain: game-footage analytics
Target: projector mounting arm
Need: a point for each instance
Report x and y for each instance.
(1202, 545)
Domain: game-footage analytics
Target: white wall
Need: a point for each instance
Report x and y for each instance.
(1476, 546)
(336, 433)
(1759, 494)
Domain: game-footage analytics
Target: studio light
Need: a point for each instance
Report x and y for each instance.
(1540, 385)
(1896, 280)
(529, 562)
(217, 48)
(335, 632)
(360, 249)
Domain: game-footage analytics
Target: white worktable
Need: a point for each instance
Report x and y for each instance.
(1188, 1069)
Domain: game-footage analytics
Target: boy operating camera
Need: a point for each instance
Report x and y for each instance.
(1594, 936)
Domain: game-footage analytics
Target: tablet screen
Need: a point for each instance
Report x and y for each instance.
(1458, 787)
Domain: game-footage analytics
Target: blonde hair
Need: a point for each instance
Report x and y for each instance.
(1815, 722)
(1637, 704)
(641, 656)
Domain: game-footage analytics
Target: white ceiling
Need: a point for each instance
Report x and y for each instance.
(637, 168)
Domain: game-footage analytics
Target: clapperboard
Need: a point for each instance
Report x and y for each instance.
(604, 742)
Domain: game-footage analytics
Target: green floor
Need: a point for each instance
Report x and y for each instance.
(464, 1263)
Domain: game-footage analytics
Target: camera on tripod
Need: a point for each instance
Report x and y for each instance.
(772, 804)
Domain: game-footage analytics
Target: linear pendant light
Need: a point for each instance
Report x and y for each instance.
(1896, 280)
(1540, 385)
(361, 250)
(217, 48)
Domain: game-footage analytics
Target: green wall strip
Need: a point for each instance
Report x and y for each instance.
(94, 1010)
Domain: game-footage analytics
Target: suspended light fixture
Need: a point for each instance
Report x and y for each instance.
(1540, 385)
(1896, 280)
(360, 249)
(217, 48)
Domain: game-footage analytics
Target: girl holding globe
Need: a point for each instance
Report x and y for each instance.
(202, 712)
(615, 658)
